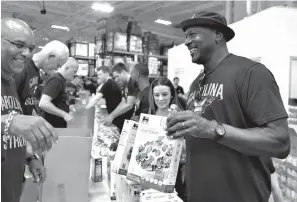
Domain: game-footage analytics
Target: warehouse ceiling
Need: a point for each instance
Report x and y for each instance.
(83, 20)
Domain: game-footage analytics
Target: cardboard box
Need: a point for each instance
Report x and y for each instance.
(155, 157)
(133, 191)
(68, 167)
(125, 147)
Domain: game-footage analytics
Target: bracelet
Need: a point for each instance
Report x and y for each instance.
(7, 124)
(31, 158)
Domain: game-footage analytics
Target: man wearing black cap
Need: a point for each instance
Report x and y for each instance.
(235, 121)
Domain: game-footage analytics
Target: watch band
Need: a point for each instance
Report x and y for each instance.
(219, 131)
(31, 158)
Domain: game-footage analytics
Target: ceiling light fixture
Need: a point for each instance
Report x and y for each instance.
(60, 27)
(103, 7)
(164, 22)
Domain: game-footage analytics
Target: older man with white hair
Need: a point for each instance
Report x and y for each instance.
(54, 99)
(52, 56)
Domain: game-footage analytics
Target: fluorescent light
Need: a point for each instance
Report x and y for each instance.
(103, 7)
(60, 27)
(41, 47)
(164, 22)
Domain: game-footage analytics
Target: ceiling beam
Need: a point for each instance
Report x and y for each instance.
(199, 7)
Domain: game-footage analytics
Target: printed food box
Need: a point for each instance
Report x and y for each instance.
(111, 181)
(125, 147)
(155, 157)
(133, 191)
(153, 194)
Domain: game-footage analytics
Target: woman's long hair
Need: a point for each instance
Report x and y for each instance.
(162, 81)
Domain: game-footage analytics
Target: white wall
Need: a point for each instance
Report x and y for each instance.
(270, 35)
(180, 65)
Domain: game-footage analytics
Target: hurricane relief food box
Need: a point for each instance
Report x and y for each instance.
(125, 147)
(155, 157)
(133, 191)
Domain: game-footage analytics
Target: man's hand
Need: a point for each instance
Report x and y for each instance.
(37, 131)
(189, 123)
(69, 118)
(108, 120)
(37, 170)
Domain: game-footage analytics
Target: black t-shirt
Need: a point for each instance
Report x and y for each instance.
(130, 90)
(71, 91)
(91, 87)
(27, 84)
(55, 87)
(243, 94)
(13, 150)
(142, 102)
(180, 90)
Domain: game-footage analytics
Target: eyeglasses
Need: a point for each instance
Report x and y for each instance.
(21, 45)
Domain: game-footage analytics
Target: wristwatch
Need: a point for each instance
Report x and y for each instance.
(219, 131)
(31, 158)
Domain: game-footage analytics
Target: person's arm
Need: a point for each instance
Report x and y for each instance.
(46, 104)
(94, 100)
(123, 107)
(261, 102)
(270, 140)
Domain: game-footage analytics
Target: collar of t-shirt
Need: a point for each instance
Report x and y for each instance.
(60, 76)
(32, 64)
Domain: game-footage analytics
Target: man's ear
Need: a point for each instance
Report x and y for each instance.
(219, 36)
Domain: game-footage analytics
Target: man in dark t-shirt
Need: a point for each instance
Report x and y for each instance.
(235, 121)
(179, 89)
(54, 100)
(112, 94)
(129, 93)
(17, 45)
(140, 75)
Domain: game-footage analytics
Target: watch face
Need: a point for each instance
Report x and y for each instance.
(220, 130)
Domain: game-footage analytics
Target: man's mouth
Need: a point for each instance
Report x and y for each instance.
(20, 60)
(192, 50)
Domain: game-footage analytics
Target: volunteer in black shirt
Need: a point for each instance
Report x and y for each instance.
(129, 92)
(54, 100)
(112, 94)
(52, 56)
(179, 89)
(140, 75)
(235, 121)
(17, 45)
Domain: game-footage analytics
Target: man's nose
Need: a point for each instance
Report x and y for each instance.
(27, 53)
(188, 41)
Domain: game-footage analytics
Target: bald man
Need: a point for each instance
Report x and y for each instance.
(54, 100)
(52, 56)
(17, 45)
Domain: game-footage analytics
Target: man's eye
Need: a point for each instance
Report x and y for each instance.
(19, 45)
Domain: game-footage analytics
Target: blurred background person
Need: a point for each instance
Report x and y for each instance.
(179, 89)
(112, 94)
(129, 92)
(54, 100)
(52, 56)
(140, 75)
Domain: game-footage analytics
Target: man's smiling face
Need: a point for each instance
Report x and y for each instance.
(201, 43)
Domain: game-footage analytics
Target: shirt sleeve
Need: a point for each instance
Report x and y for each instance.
(132, 89)
(104, 88)
(53, 88)
(260, 96)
